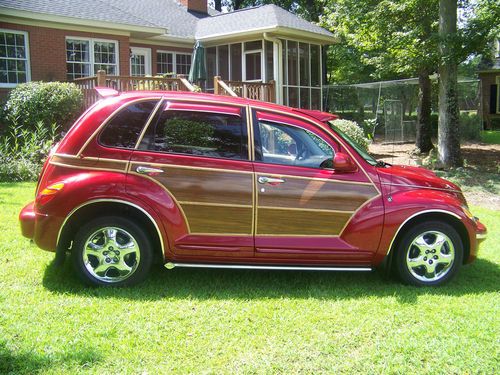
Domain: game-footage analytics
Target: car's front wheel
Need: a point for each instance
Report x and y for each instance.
(111, 251)
(430, 253)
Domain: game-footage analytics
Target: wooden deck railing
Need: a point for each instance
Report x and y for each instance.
(129, 83)
(250, 90)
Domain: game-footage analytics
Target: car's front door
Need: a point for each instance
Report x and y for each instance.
(198, 154)
(302, 204)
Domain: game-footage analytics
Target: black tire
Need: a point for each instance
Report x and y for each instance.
(419, 252)
(99, 258)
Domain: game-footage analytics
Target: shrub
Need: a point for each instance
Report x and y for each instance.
(353, 131)
(470, 126)
(46, 102)
(23, 151)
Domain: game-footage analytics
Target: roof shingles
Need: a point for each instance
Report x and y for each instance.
(170, 15)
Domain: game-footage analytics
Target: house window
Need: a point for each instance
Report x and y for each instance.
(182, 63)
(164, 63)
(14, 62)
(84, 57)
(173, 63)
(302, 74)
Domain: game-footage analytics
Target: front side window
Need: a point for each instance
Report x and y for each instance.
(199, 133)
(290, 145)
(14, 64)
(84, 57)
(124, 128)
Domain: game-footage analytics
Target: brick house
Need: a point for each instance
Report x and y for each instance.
(489, 76)
(66, 40)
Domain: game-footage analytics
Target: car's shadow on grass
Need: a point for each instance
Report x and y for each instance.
(480, 277)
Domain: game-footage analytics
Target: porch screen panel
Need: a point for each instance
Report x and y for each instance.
(315, 65)
(304, 64)
(293, 63)
(223, 60)
(269, 54)
(253, 66)
(316, 98)
(211, 56)
(235, 62)
(302, 75)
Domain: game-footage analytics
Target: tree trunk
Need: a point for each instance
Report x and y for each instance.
(448, 130)
(218, 5)
(423, 141)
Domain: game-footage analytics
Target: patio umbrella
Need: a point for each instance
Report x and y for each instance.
(198, 71)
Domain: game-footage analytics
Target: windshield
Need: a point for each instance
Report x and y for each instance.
(364, 154)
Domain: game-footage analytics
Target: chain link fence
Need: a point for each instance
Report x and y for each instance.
(388, 109)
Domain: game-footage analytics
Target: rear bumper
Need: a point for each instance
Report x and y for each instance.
(41, 228)
(27, 219)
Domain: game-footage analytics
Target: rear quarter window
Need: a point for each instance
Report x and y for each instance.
(124, 128)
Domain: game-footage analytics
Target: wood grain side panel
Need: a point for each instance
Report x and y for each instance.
(219, 219)
(206, 186)
(316, 194)
(296, 222)
(117, 165)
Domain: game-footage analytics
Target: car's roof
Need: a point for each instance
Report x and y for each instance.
(313, 114)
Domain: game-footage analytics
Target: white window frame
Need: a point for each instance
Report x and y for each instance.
(174, 59)
(147, 60)
(244, 62)
(310, 87)
(27, 58)
(91, 52)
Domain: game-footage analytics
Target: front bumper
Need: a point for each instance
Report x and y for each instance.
(481, 232)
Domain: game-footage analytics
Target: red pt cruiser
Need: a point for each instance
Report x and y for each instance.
(199, 180)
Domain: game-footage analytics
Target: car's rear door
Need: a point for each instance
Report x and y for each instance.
(197, 154)
(302, 204)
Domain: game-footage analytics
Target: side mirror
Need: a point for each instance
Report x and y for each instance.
(343, 163)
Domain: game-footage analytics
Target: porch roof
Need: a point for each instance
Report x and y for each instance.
(265, 18)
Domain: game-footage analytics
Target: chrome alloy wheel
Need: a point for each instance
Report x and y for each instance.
(111, 254)
(430, 256)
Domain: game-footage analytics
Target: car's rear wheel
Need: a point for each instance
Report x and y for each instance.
(430, 253)
(111, 251)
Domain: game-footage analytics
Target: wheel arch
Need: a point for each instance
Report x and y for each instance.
(440, 215)
(96, 207)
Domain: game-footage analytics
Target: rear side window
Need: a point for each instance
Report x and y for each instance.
(207, 134)
(124, 128)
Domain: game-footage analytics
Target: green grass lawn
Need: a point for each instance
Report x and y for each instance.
(208, 321)
(492, 137)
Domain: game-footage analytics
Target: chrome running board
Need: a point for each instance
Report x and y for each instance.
(171, 265)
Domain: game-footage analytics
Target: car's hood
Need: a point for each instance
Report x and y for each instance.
(414, 177)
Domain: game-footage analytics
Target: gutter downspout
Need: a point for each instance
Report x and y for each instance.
(278, 65)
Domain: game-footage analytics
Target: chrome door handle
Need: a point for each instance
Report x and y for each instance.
(147, 170)
(270, 180)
